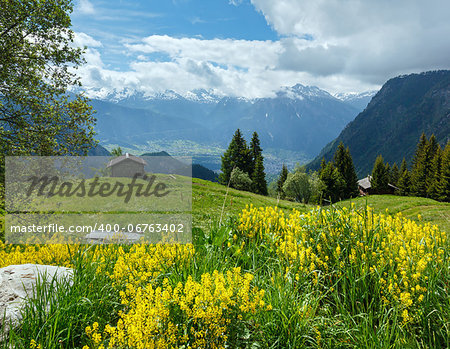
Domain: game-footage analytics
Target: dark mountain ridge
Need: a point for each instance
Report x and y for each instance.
(394, 119)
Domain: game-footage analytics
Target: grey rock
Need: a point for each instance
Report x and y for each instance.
(18, 283)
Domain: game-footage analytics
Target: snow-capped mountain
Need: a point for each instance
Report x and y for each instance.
(300, 119)
(357, 99)
(300, 91)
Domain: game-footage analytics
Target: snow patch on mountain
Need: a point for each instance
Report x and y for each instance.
(347, 96)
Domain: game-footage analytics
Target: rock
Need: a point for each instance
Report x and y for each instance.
(18, 282)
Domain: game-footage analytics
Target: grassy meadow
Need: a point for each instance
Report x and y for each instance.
(431, 211)
(291, 276)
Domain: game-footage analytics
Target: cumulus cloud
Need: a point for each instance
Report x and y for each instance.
(243, 53)
(227, 67)
(82, 39)
(340, 46)
(368, 40)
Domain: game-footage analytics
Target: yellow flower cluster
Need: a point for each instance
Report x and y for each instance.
(54, 254)
(191, 314)
(395, 251)
(143, 263)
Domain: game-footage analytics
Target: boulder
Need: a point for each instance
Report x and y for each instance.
(18, 282)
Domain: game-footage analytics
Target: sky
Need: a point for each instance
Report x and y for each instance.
(252, 48)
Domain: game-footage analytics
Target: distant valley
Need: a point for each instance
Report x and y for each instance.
(293, 126)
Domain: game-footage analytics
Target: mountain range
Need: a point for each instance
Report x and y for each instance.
(394, 119)
(293, 126)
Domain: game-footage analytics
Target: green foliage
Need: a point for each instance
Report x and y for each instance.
(427, 174)
(248, 160)
(434, 178)
(259, 177)
(444, 183)
(380, 176)
(344, 164)
(240, 180)
(420, 168)
(339, 180)
(237, 155)
(303, 187)
(394, 174)
(298, 187)
(37, 115)
(404, 180)
(255, 149)
(333, 182)
(281, 179)
(116, 152)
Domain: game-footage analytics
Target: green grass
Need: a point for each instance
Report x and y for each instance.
(336, 307)
(431, 211)
(208, 200)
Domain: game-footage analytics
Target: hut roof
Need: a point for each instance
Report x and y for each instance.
(125, 157)
(365, 182)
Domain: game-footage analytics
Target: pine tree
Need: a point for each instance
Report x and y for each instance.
(259, 177)
(419, 168)
(257, 166)
(334, 184)
(379, 181)
(404, 180)
(343, 162)
(431, 151)
(434, 176)
(281, 179)
(388, 171)
(394, 175)
(236, 156)
(255, 150)
(444, 183)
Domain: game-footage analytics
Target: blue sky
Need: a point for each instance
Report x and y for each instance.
(115, 22)
(252, 48)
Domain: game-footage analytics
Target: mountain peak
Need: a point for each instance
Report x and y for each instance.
(202, 95)
(300, 91)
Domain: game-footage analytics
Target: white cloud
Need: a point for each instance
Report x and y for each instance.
(86, 7)
(370, 41)
(243, 53)
(340, 46)
(82, 39)
(228, 67)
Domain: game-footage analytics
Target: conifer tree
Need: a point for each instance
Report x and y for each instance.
(257, 166)
(255, 149)
(444, 183)
(380, 176)
(343, 162)
(388, 171)
(419, 168)
(236, 156)
(430, 152)
(259, 177)
(394, 175)
(281, 179)
(334, 184)
(434, 177)
(404, 181)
